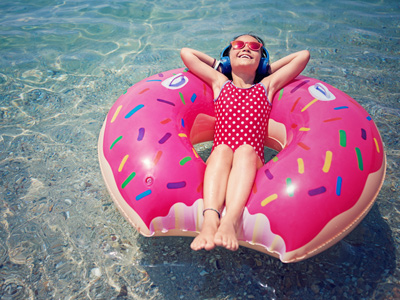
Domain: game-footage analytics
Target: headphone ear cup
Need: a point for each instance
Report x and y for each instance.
(225, 62)
(263, 67)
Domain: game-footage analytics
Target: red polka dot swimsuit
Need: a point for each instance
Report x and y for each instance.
(242, 116)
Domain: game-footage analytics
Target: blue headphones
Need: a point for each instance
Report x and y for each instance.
(262, 70)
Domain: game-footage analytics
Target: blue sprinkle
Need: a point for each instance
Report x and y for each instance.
(194, 96)
(341, 107)
(140, 106)
(339, 186)
(153, 80)
(369, 118)
(183, 123)
(142, 195)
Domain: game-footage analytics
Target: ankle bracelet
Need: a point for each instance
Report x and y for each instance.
(219, 214)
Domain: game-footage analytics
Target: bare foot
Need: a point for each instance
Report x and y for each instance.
(205, 239)
(226, 236)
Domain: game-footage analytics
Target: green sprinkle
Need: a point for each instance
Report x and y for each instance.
(359, 159)
(280, 94)
(343, 138)
(116, 141)
(289, 187)
(133, 174)
(182, 99)
(275, 159)
(185, 160)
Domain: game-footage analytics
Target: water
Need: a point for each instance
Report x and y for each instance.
(64, 63)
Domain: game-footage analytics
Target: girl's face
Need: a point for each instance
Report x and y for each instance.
(245, 58)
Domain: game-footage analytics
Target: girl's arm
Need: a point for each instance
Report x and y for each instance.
(201, 65)
(285, 70)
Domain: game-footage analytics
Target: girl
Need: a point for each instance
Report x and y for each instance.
(242, 108)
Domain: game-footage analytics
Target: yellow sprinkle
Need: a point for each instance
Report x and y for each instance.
(309, 104)
(116, 114)
(304, 129)
(121, 166)
(195, 153)
(269, 199)
(300, 163)
(377, 145)
(328, 161)
(182, 135)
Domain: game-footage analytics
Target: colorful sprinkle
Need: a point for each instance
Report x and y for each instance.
(363, 134)
(304, 146)
(193, 98)
(304, 129)
(341, 107)
(166, 121)
(157, 158)
(269, 174)
(195, 153)
(122, 164)
(369, 118)
(130, 177)
(339, 186)
(377, 145)
(182, 135)
(166, 102)
(141, 134)
(176, 185)
(164, 138)
(359, 159)
(295, 104)
(328, 161)
(185, 160)
(116, 113)
(182, 99)
(275, 159)
(143, 91)
(151, 80)
(308, 105)
(140, 106)
(183, 123)
(269, 199)
(317, 191)
(342, 138)
(300, 164)
(289, 187)
(116, 141)
(299, 86)
(280, 94)
(142, 195)
(332, 120)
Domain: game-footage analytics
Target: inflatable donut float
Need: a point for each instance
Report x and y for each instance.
(324, 180)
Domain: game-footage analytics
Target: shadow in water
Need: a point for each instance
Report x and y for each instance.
(354, 268)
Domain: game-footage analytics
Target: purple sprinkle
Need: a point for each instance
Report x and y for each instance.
(176, 185)
(363, 134)
(299, 86)
(166, 102)
(317, 191)
(269, 174)
(165, 138)
(141, 134)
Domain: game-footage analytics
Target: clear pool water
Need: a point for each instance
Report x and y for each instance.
(64, 63)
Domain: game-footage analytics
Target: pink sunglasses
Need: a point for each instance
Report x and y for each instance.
(255, 46)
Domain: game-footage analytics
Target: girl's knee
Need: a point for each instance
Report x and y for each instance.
(221, 153)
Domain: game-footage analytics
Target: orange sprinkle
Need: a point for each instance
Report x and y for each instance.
(165, 121)
(157, 158)
(294, 105)
(332, 120)
(143, 91)
(304, 146)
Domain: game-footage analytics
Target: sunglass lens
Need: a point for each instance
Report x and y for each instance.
(237, 44)
(254, 46)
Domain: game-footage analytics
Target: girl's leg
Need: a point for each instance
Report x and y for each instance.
(241, 181)
(219, 165)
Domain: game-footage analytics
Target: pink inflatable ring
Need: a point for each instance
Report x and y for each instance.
(320, 185)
